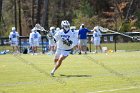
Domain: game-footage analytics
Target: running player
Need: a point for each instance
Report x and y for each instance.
(64, 39)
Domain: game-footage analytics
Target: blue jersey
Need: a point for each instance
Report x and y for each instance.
(83, 33)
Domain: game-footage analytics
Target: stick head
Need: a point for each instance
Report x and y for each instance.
(103, 29)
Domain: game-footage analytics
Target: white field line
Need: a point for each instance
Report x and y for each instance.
(111, 90)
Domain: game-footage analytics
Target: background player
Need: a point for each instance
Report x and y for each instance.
(97, 38)
(52, 44)
(13, 37)
(35, 38)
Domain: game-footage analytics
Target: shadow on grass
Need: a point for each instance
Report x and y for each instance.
(61, 75)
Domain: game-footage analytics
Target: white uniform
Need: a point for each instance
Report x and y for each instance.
(97, 36)
(30, 42)
(75, 37)
(14, 38)
(51, 39)
(62, 48)
(35, 38)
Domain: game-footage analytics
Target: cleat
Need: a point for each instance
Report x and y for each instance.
(52, 74)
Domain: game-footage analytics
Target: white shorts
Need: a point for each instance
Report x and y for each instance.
(60, 52)
(75, 42)
(97, 42)
(35, 43)
(14, 43)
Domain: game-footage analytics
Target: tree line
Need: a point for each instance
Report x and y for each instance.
(120, 15)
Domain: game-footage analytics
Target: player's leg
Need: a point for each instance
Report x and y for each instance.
(63, 55)
(37, 45)
(50, 46)
(80, 46)
(17, 47)
(85, 46)
(33, 50)
(57, 55)
(100, 45)
(58, 63)
(13, 46)
(96, 46)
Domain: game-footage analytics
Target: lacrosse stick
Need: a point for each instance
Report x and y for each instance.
(107, 30)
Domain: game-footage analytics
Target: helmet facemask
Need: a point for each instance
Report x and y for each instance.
(65, 25)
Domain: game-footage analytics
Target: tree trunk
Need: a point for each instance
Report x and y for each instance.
(15, 12)
(19, 10)
(45, 22)
(0, 10)
(39, 11)
(33, 3)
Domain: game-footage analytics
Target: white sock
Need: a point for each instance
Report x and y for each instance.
(53, 70)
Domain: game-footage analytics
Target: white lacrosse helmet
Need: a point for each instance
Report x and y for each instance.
(37, 25)
(73, 27)
(57, 29)
(32, 30)
(65, 25)
(52, 28)
(13, 28)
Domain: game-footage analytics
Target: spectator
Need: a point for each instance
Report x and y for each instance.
(82, 35)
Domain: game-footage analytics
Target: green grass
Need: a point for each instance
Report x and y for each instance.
(93, 73)
(121, 46)
(133, 46)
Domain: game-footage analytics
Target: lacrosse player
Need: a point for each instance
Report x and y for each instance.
(75, 43)
(97, 38)
(13, 37)
(30, 41)
(64, 40)
(52, 44)
(34, 40)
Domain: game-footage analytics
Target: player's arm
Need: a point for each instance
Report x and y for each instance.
(39, 36)
(17, 34)
(10, 38)
(100, 34)
(57, 36)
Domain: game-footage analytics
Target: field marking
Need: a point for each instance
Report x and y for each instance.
(111, 90)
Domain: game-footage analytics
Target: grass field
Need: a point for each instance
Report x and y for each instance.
(131, 46)
(92, 73)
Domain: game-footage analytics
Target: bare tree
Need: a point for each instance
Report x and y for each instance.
(0, 9)
(39, 11)
(45, 23)
(33, 4)
(19, 16)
